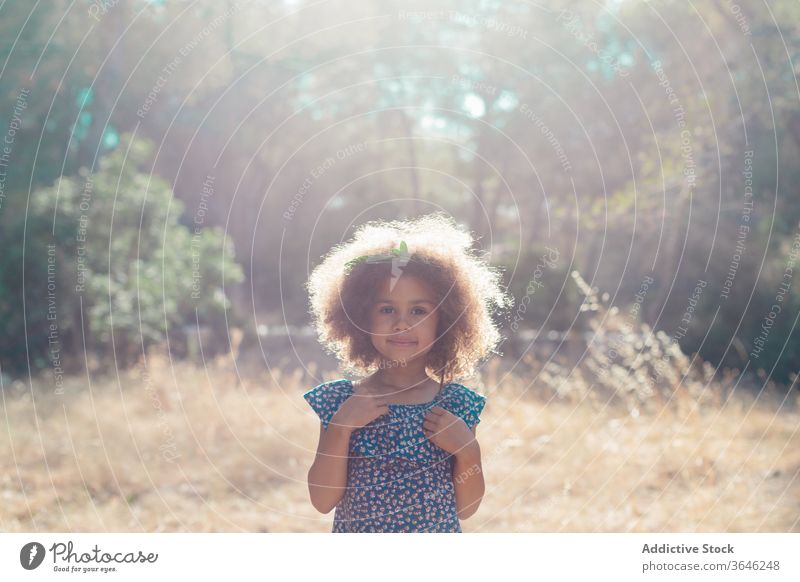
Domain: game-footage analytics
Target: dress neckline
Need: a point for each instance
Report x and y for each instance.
(435, 398)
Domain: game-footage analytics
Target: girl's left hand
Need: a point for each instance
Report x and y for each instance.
(446, 430)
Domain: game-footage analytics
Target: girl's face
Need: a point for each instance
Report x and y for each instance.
(403, 320)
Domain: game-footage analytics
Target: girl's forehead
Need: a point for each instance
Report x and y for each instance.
(404, 287)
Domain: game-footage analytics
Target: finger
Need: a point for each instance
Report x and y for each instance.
(437, 411)
(434, 428)
(431, 418)
(434, 418)
(445, 425)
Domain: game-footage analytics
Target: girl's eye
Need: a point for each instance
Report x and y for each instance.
(416, 310)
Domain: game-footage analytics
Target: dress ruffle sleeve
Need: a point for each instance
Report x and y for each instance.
(326, 399)
(466, 404)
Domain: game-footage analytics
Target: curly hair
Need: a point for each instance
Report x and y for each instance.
(467, 292)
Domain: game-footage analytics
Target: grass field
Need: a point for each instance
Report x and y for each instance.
(187, 448)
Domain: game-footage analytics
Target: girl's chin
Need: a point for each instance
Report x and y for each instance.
(408, 346)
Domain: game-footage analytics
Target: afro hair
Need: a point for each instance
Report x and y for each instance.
(468, 292)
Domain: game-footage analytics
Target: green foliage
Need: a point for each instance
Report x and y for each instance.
(123, 268)
(534, 125)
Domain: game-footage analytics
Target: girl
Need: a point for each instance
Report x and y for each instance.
(397, 449)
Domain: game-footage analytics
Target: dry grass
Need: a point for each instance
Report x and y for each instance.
(187, 448)
(94, 460)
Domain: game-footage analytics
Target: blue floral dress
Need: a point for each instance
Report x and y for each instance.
(397, 480)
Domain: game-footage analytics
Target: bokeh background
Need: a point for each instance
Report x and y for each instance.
(171, 171)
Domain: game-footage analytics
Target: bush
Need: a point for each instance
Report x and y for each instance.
(101, 260)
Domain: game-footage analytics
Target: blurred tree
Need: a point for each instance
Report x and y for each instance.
(107, 265)
(533, 125)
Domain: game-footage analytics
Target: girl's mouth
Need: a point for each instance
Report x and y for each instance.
(401, 343)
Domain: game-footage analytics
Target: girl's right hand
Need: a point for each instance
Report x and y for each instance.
(359, 410)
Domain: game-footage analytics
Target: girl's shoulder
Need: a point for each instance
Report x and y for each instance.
(464, 402)
(326, 398)
(331, 387)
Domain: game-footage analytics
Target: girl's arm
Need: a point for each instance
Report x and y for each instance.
(327, 477)
(468, 479)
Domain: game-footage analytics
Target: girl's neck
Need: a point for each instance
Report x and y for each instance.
(406, 377)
